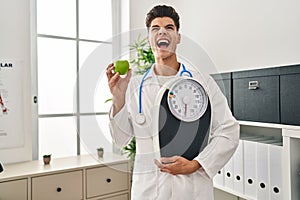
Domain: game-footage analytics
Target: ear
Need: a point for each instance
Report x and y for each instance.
(148, 39)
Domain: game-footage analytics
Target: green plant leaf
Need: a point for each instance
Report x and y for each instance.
(108, 100)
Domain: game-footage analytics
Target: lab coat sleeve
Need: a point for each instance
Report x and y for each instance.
(120, 127)
(224, 135)
(121, 124)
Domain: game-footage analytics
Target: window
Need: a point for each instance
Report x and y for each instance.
(73, 38)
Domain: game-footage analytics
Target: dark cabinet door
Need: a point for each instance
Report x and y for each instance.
(225, 86)
(224, 82)
(289, 99)
(256, 99)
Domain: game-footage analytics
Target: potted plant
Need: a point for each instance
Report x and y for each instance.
(47, 159)
(100, 152)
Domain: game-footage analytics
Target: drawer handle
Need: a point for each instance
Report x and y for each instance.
(108, 180)
(253, 85)
(59, 189)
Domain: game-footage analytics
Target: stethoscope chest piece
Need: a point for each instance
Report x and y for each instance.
(140, 118)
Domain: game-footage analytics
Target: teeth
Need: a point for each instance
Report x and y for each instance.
(162, 42)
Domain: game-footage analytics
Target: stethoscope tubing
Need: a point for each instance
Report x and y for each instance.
(140, 90)
(184, 70)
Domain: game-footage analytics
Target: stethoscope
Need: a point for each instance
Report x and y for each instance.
(140, 117)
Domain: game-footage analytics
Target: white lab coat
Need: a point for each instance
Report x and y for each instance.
(148, 181)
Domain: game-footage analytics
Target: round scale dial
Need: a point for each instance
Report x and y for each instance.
(187, 100)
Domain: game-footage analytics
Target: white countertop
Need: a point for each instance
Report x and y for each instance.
(37, 167)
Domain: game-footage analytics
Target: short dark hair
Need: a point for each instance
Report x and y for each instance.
(162, 11)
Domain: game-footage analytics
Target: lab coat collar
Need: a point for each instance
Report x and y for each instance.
(152, 72)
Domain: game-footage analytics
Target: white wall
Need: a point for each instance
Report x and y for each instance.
(15, 45)
(236, 34)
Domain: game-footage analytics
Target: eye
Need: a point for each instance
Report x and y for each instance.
(170, 28)
(154, 28)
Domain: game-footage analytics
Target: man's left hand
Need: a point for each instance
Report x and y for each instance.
(177, 165)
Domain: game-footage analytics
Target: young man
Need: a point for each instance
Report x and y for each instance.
(171, 177)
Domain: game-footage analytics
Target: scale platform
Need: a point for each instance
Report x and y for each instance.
(175, 137)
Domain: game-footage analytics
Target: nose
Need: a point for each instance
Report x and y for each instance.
(162, 31)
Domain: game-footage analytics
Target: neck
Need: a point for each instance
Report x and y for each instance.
(166, 67)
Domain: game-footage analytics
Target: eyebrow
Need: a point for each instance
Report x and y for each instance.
(168, 25)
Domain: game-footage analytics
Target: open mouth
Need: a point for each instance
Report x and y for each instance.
(163, 43)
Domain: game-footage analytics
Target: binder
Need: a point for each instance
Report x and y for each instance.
(219, 178)
(249, 158)
(228, 174)
(263, 184)
(238, 169)
(239, 180)
(276, 167)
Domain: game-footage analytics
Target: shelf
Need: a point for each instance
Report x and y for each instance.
(288, 147)
(269, 125)
(233, 192)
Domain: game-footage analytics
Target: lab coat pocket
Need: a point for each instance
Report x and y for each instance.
(202, 185)
(203, 174)
(144, 186)
(144, 178)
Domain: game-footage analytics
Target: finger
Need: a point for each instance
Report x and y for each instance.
(113, 80)
(109, 65)
(166, 170)
(128, 76)
(168, 160)
(109, 70)
(158, 164)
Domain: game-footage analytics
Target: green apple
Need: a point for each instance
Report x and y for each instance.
(121, 66)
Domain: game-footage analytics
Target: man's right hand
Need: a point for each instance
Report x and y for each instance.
(118, 86)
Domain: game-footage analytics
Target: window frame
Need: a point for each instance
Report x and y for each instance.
(116, 28)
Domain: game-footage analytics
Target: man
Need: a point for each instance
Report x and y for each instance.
(172, 177)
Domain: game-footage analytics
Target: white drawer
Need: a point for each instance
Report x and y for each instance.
(64, 186)
(106, 180)
(14, 190)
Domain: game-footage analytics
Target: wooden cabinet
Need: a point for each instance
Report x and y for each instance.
(74, 178)
(13, 189)
(106, 180)
(62, 186)
(119, 197)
